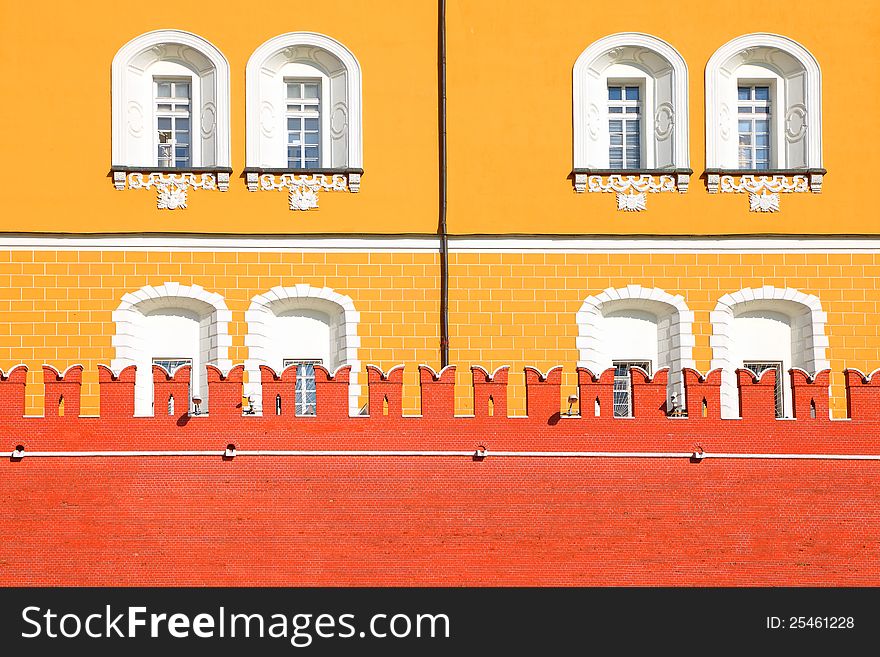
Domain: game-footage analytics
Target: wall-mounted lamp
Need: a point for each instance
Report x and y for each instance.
(250, 410)
(571, 400)
(18, 452)
(481, 452)
(197, 402)
(230, 451)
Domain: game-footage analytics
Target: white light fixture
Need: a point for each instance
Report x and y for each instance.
(571, 400)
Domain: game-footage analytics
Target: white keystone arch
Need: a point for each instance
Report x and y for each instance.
(132, 338)
(263, 315)
(666, 119)
(808, 340)
(674, 330)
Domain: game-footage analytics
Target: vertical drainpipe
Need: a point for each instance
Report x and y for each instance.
(444, 243)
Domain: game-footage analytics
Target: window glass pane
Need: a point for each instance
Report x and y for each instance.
(311, 124)
(293, 124)
(762, 93)
(744, 93)
(311, 90)
(745, 139)
(293, 90)
(632, 93)
(163, 90)
(632, 127)
(762, 154)
(181, 137)
(615, 126)
(761, 139)
(745, 110)
(164, 123)
(164, 108)
(762, 126)
(614, 93)
(615, 152)
(293, 137)
(181, 151)
(311, 153)
(632, 110)
(181, 90)
(632, 139)
(745, 126)
(615, 110)
(312, 138)
(616, 140)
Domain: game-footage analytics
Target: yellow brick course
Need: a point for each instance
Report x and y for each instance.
(505, 308)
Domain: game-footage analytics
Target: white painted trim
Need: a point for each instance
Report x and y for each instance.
(581, 100)
(353, 83)
(813, 91)
(342, 311)
(464, 244)
(778, 299)
(128, 339)
(661, 304)
(120, 93)
(463, 453)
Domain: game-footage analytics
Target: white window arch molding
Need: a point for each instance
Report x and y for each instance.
(794, 79)
(661, 74)
(803, 343)
(176, 321)
(181, 56)
(303, 56)
(670, 315)
(281, 324)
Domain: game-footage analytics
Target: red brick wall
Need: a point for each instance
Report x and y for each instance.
(446, 520)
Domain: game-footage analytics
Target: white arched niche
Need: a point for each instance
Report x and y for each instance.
(795, 82)
(302, 322)
(766, 324)
(660, 72)
(303, 55)
(169, 54)
(636, 323)
(171, 321)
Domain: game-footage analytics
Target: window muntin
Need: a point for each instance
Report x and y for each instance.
(623, 385)
(173, 123)
(303, 124)
(753, 125)
(306, 389)
(759, 367)
(624, 126)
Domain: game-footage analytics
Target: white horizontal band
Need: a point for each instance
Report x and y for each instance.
(470, 453)
(416, 244)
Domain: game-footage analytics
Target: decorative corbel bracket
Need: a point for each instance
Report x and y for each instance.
(764, 187)
(303, 185)
(171, 185)
(632, 187)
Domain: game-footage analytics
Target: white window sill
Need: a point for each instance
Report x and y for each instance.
(171, 185)
(631, 185)
(303, 185)
(764, 185)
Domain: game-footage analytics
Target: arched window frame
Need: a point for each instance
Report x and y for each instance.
(134, 160)
(807, 320)
(672, 310)
(342, 104)
(345, 319)
(131, 338)
(664, 124)
(798, 90)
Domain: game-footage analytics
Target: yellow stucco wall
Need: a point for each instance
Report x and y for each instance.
(505, 308)
(510, 132)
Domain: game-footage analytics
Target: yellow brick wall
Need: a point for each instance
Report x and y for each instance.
(505, 309)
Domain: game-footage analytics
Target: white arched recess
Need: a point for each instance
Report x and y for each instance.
(302, 322)
(795, 81)
(637, 323)
(769, 324)
(310, 55)
(177, 54)
(171, 321)
(661, 72)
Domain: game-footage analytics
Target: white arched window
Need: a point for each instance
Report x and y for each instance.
(301, 326)
(636, 327)
(171, 325)
(170, 106)
(763, 118)
(303, 116)
(767, 328)
(630, 116)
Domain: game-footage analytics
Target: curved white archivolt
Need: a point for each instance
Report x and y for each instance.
(171, 321)
(792, 326)
(645, 315)
(661, 72)
(176, 54)
(303, 55)
(795, 82)
(302, 322)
